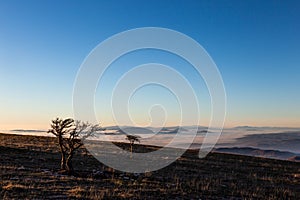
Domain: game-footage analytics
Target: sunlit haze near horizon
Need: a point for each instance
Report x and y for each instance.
(255, 45)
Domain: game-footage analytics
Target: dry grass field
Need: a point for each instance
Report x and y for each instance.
(29, 169)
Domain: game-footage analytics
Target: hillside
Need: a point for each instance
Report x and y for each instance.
(249, 151)
(29, 169)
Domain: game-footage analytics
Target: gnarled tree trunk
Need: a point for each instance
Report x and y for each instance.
(63, 154)
(63, 161)
(69, 165)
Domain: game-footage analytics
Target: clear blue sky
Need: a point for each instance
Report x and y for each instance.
(255, 44)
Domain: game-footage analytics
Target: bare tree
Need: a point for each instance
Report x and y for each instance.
(81, 132)
(132, 139)
(60, 128)
(71, 135)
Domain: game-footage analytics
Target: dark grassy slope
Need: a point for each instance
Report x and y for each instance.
(29, 170)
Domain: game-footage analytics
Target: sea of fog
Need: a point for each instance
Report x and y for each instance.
(267, 138)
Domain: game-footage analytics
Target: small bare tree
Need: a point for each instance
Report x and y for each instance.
(132, 139)
(60, 128)
(81, 132)
(70, 135)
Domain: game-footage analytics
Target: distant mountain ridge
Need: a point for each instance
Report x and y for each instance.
(28, 130)
(149, 130)
(249, 151)
(264, 127)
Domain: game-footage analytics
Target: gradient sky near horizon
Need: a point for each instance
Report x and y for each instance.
(255, 44)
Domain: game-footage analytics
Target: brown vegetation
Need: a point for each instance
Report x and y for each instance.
(29, 169)
(70, 136)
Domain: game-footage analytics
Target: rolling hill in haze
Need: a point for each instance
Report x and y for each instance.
(270, 142)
